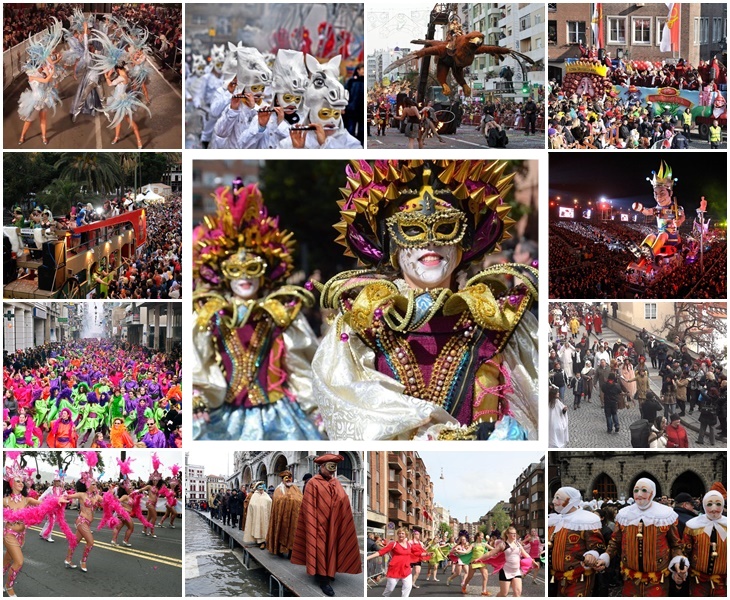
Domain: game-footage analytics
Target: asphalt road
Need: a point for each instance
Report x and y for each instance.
(466, 137)
(162, 131)
(432, 589)
(151, 567)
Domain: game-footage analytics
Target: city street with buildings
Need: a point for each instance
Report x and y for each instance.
(439, 497)
(92, 374)
(503, 83)
(235, 521)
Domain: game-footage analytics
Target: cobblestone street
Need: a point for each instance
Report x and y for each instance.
(587, 424)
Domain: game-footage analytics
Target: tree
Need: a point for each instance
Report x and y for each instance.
(98, 171)
(60, 195)
(701, 325)
(445, 530)
(500, 518)
(24, 173)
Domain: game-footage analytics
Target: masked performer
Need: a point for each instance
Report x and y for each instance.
(253, 79)
(326, 540)
(86, 100)
(287, 501)
(409, 354)
(326, 100)
(212, 95)
(573, 534)
(252, 347)
(647, 539)
(258, 517)
(289, 83)
(705, 542)
(669, 217)
(40, 68)
(17, 516)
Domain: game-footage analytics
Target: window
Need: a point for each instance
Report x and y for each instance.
(525, 23)
(538, 17)
(717, 29)
(576, 32)
(704, 29)
(660, 21)
(552, 6)
(696, 31)
(616, 30)
(552, 32)
(650, 311)
(641, 31)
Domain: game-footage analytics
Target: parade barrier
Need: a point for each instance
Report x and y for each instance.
(282, 573)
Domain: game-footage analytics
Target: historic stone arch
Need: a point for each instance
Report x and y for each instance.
(279, 464)
(262, 474)
(247, 475)
(689, 482)
(605, 486)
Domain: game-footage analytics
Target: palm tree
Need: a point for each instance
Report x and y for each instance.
(100, 171)
(60, 195)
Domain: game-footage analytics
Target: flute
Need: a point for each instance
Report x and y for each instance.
(302, 128)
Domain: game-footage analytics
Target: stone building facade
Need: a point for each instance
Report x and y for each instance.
(613, 474)
(266, 466)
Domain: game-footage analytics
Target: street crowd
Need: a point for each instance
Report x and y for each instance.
(585, 369)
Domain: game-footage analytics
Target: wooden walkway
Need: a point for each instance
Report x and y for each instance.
(282, 573)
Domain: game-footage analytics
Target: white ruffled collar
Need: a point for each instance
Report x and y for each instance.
(706, 524)
(578, 520)
(657, 514)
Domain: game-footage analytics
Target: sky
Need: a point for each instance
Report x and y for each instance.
(213, 461)
(388, 26)
(622, 177)
(141, 465)
(475, 481)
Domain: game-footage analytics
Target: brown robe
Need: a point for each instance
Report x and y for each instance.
(284, 516)
(326, 540)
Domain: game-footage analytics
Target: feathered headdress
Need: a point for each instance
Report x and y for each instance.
(13, 469)
(241, 227)
(110, 55)
(78, 19)
(136, 37)
(41, 48)
(125, 466)
(175, 472)
(92, 459)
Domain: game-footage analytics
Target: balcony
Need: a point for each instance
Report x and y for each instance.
(395, 461)
(396, 515)
(396, 488)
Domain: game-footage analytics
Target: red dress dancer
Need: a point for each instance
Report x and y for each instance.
(63, 431)
(399, 565)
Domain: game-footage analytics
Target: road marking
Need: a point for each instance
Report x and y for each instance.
(160, 558)
(97, 130)
(172, 87)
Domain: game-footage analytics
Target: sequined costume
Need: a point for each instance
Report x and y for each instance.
(251, 357)
(399, 363)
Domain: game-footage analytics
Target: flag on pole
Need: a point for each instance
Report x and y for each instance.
(597, 25)
(670, 32)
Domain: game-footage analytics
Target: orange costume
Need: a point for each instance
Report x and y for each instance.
(287, 502)
(63, 433)
(705, 543)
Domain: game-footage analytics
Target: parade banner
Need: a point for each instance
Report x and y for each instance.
(705, 104)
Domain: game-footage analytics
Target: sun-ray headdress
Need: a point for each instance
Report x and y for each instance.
(469, 192)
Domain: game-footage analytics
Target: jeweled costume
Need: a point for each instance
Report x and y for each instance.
(705, 543)
(252, 357)
(647, 540)
(399, 363)
(571, 536)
